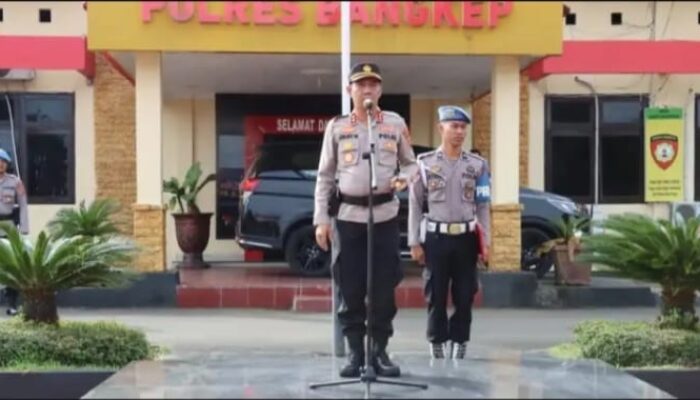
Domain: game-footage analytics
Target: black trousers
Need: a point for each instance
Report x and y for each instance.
(11, 295)
(450, 266)
(350, 273)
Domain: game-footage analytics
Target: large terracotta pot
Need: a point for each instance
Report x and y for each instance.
(192, 232)
(570, 272)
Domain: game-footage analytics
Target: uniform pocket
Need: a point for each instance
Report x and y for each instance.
(468, 189)
(387, 152)
(8, 195)
(349, 152)
(437, 188)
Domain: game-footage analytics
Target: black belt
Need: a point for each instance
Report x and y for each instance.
(377, 199)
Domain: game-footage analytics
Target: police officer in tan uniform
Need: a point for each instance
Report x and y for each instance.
(454, 185)
(13, 209)
(345, 140)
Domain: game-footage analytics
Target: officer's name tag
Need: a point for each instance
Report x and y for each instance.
(483, 189)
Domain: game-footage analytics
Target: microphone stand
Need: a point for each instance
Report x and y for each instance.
(368, 375)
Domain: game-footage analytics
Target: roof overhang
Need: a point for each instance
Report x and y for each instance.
(620, 57)
(47, 53)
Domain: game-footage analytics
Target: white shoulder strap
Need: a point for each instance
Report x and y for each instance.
(424, 178)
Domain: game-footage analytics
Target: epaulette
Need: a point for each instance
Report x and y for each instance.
(425, 155)
(393, 114)
(478, 157)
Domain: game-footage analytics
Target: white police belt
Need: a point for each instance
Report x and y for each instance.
(454, 228)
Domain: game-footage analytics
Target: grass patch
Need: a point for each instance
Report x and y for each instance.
(27, 346)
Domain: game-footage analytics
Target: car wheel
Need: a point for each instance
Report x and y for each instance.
(531, 239)
(304, 255)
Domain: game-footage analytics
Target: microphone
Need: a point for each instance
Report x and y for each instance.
(368, 104)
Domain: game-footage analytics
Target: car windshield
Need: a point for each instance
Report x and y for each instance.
(287, 157)
(294, 158)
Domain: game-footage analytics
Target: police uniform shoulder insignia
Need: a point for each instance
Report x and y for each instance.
(425, 155)
(391, 114)
(478, 157)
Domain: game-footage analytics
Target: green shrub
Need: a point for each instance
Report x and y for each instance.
(95, 220)
(40, 269)
(659, 251)
(74, 344)
(637, 344)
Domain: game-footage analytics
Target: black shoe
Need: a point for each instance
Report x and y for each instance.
(382, 362)
(11, 312)
(355, 362)
(356, 357)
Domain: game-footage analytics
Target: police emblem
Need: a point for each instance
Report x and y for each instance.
(367, 68)
(349, 157)
(347, 145)
(469, 191)
(435, 168)
(432, 184)
(390, 145)
(664, 149)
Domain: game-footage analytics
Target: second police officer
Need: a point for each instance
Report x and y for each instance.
(454, 185)
(13, 209)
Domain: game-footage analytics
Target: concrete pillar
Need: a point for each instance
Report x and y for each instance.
(689, 143)
(537, 136)
(505, 164)
(149, 215)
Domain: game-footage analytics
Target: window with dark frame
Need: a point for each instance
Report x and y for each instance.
(570, 147)
(44, 138)
(616, 18)
(44, 15)
(621, 157)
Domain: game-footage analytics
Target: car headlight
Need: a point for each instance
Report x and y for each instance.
(568, 207)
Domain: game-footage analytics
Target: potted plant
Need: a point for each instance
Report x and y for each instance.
(191, 225)
(565, 248)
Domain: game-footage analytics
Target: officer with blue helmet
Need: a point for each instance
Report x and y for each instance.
(13, 208)
(454, 185)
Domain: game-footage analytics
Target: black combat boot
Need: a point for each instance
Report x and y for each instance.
(382, 362)
(356, 358)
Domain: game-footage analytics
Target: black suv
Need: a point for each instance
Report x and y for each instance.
(276, 210)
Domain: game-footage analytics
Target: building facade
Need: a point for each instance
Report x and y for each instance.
(134, 92)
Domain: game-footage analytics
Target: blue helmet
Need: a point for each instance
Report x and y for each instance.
(5, 156)
(453, 113)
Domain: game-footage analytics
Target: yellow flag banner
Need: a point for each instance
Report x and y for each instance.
(663, 149)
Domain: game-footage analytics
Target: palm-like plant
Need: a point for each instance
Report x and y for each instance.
(654, 251)
(187, 191)
(93, 221)
(569, 233)
(40, 269)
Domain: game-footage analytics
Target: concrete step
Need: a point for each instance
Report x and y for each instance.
(312, 304)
